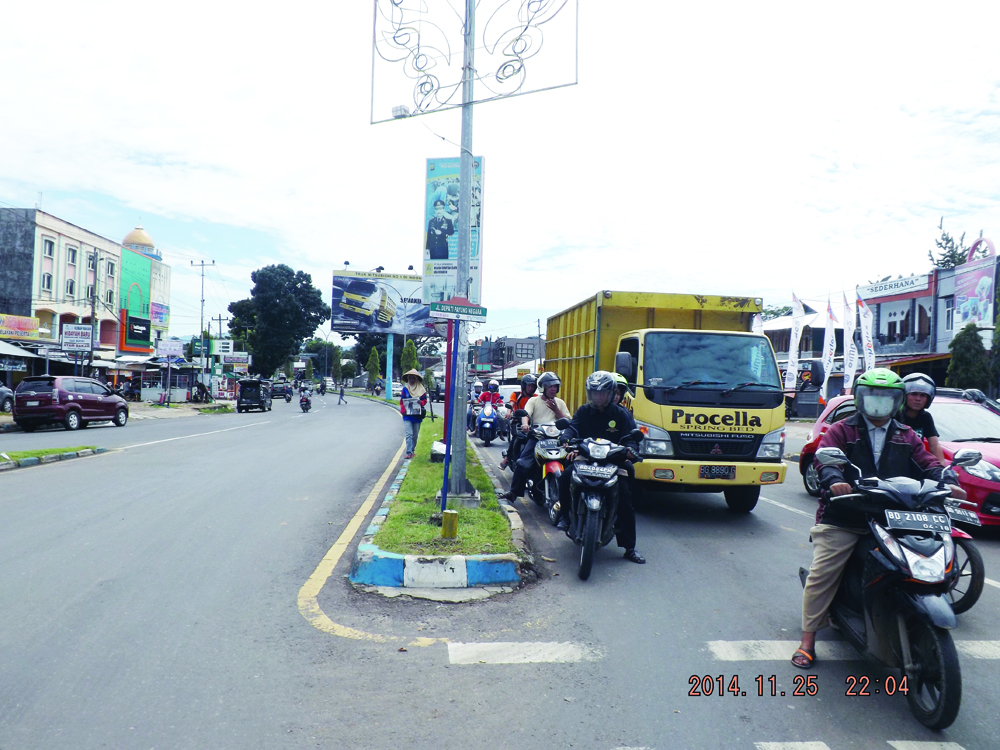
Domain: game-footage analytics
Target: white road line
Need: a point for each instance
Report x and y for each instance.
(908, 745)
(199, 434)
(519, 653)
(979, 649)
(779, 650)
(992, 583)
(810, 516)
(791, 746)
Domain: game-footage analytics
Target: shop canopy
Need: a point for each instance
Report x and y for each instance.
(10, 350)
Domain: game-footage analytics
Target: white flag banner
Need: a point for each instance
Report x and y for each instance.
(867, 344)
(829, 346)
(757, 325)
(798, 315)
(850, 350)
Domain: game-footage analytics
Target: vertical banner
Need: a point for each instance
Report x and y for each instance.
(440, 231)
(829, 347)
(757, 325)
(867, 345)
(974, 287)
(792, 371)
(850, 350)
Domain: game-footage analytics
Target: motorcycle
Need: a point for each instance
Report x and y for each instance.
(892, 604)
(486, 424)
(550, 457)
(288, 396)
(594, 488)
(516, 441)
(304, 401)
(969, 575)
(504, 413)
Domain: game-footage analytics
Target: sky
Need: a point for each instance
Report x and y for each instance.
(725, 148)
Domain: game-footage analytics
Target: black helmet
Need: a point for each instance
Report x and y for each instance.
(494, 386)
(547, 379)
(917, 382)
(528, 381)
(601, 382)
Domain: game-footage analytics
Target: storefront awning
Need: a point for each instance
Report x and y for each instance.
(15, 351)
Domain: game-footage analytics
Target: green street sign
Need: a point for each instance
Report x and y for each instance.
(458, 312)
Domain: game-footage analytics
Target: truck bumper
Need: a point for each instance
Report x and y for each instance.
(670, 471)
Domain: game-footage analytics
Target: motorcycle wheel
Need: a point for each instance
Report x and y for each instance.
(552, 499)
(810, 481)
(487, 441)
(935, 691)
(971, 576)
(591, 530)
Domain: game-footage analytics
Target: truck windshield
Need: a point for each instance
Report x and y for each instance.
(712, 359)
(361, 288)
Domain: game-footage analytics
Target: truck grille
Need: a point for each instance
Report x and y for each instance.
(716, 446)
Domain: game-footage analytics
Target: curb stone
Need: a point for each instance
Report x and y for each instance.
(438, 577)
(49, 458)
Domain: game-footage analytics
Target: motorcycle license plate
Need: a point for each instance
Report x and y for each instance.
(901, 519)
(963, 515)
(717, 472)
(601, 472)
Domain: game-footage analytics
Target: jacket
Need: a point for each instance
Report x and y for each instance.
(406, 394)
(903, 455)
(612, 423)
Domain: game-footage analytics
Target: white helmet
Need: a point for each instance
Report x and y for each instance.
(478, 386)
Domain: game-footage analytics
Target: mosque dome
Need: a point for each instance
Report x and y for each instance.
(138, 237)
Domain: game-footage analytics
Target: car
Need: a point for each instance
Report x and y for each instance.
(278, 388)
(397, 390)
(329, 383)
(73, 402)
(6, 399)
(961, 423)
(253, 393)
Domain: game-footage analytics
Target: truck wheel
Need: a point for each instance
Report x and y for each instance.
(742, 499)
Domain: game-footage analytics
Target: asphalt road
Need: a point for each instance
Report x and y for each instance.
(150, 601)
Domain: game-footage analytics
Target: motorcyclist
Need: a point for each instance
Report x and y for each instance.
(474, 394)
(545, 407)
(322, 388)
(920, 390)
(601, 417)
(492, 394)
(622, 396)
(878, 446)
(518, 400)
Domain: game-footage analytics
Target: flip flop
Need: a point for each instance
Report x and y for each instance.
(809, 655)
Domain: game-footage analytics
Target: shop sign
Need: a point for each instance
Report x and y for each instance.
(18, 327)
(170, 348)
(894, 286)
(236, 358)
(77, 338)
(138, 330)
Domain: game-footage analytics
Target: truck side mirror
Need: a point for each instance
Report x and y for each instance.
(623, 365)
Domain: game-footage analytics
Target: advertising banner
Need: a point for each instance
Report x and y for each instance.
(757, 325)
(159, 315)
(76, 338)
(18, 327)
(236, 358)
(867, 345)
(440, 230)
(792, 373)
(974, 287)
(829, 346)
(372, 302)
(850, 350)
(170, 348)
(137, 330)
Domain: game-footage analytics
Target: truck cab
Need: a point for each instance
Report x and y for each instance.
(368, 302)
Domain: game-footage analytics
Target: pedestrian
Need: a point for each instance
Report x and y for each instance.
(341, 400)
(412, 405)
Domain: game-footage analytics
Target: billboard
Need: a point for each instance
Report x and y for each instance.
(974, 287)
(159, 314)
(76, 338)
(440, 230)
(18, 327)
(368, 302)
(137, 330)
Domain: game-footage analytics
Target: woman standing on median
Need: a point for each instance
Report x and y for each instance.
(412, 404)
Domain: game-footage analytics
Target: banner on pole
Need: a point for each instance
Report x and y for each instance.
(850, 350)
(867, 344)
(441, 230)
(792, 372)
(829, 346)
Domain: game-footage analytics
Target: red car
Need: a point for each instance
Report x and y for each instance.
(70, 401)
(961, 422)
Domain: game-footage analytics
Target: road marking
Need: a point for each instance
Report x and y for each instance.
(519, 653)
(979, 649)
(791, 746)
(199, 434)
(779, 650)
(992, 583)
(811, 516)
(907, 745)
(308, 605)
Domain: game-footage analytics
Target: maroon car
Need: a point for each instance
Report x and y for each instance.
(70, 401)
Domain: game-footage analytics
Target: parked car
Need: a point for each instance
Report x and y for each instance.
(73, 402)
(6, 399)
(961, 423)
(253, 393)
(397, 390)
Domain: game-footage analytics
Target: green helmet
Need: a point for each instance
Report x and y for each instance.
(879, 393)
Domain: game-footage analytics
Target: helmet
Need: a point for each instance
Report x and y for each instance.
(917, 382)
(478, 385)
(620, 382)
(528, 381)
(494, 386)
(601, 387)
(547, 379)
(879, 393)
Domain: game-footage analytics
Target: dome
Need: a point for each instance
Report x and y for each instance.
(138, 237)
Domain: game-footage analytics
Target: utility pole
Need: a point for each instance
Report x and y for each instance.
(219, 318)
(538, 349)
(93, 307)
(201, 329)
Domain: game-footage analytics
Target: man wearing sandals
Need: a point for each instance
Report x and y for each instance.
(879, 446)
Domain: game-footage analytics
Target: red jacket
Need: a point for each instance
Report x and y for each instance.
(490, 398)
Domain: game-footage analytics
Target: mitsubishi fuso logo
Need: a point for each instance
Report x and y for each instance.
(716, 451)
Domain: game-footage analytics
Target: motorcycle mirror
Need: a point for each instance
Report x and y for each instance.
(966, 457)
(637, 435)
(562, 423)
(832, 457)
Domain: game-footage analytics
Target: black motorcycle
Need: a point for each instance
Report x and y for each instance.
(288, 395)
(892, 604)
(305, 402)
(594, 487)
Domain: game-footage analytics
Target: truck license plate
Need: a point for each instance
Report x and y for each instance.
(717, 472)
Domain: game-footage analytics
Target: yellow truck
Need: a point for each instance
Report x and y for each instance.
(368, 302)
(704, 390)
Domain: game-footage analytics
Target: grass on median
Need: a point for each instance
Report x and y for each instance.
(408, 530)
(16, 455)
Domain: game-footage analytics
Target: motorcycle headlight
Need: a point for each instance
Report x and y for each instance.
(773, 444)
(927, 569)
(891, 544)
(656, 441)
(984, 470)
(600, 452)
(550, 430)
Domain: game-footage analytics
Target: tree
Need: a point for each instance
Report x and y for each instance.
(373, 367)
(309, 369)
(408, 357)
(349, 370)
(775, 311)
(969, 366)
(327, 356)
(952, 253)
(284, 307)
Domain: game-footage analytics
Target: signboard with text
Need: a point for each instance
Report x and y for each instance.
(458, 312)
(440, 231)
(373, 302)
(18, 327)
(76, 338)
(170, 348)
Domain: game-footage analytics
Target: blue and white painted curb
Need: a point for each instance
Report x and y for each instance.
(375, 567)
(22, 463)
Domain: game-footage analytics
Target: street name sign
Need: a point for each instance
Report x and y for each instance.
(471, 313)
